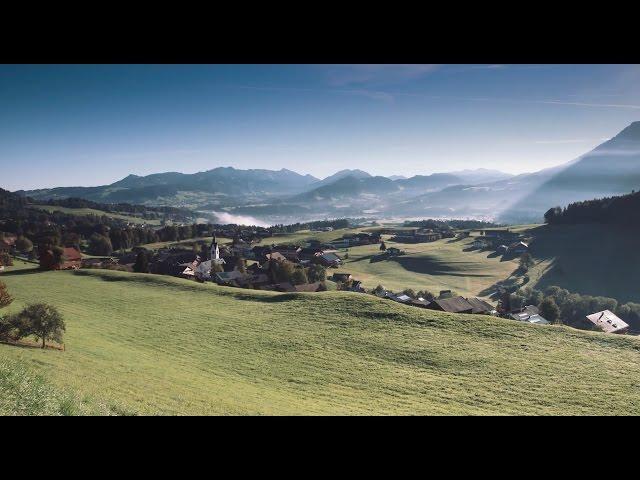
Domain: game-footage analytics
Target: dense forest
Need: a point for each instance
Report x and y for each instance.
(620, 210)
(146, 212)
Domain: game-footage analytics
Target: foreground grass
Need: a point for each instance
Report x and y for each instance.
(23, 392)
(162, 345)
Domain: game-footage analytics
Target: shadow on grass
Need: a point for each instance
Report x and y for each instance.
(25, 271)
(511, 282)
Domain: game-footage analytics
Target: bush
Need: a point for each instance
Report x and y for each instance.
(5, 260)
(317, 273)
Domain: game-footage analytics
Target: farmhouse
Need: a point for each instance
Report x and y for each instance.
(608, 322)
(480, 306)
(462, 305)
(329, 260)
(72, 259)
(342, 277)
(451, 305)
(518, 248)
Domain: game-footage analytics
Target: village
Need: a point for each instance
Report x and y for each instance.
(242, 257)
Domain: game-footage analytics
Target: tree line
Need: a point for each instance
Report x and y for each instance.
(619, 210)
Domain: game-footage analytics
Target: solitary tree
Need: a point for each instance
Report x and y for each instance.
(42, 321)
(378, 290)
(383, 247)
(550, 310)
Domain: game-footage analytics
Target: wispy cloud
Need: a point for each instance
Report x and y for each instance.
(559, 142)
(590, 105)
(375, 75)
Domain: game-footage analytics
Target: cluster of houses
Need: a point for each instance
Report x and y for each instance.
(356, 240)
(445, 303)
(503, 242)
(422, 235)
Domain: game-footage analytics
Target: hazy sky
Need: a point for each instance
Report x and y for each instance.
(92, 125)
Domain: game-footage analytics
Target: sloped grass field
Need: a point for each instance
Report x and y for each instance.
(599, 260)
(159, 345)
(441, 265)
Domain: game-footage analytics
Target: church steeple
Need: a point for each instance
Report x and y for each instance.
(215, 251)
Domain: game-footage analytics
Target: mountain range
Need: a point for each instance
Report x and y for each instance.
(610, 169)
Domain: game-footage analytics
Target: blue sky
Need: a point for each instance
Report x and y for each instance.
(94, 124)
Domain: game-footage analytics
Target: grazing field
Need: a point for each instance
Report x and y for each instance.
(155, 344)
(598, 260)
(447, 264)
(99, 213)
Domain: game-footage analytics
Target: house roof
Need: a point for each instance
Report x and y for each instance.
(330, 257)
(454, 305)
(72, 254)
(518, 244)
(607, 321)
(480, 306)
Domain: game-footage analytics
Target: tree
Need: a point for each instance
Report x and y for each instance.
(299, 277)
(378, 290)
(427, 295)
(550, 310)
(409, 292)
(23, 244)
(100, 245)
(317, 273)
(383, 247)
(5, 260)
(142, 263)
(42, 321)
(526, 262)
(5, 298)
(216, 268)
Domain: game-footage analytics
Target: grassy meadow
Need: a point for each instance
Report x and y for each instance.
(161, 345)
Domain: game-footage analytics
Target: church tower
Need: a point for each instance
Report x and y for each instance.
(215, 251)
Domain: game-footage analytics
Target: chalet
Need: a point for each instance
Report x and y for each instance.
(72, 259)
(480, 306)
(608, 322)
(342, 277)
(530, 314)
(402, 298)
(451, 305)
(342, 243)
(518, 248)
(329, 260)
(309, 253)
(420, 302)
(479, 243)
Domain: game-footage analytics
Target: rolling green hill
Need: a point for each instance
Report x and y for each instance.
(163, 345)
(99, 213)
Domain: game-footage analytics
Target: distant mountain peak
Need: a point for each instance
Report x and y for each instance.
(632, 132)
